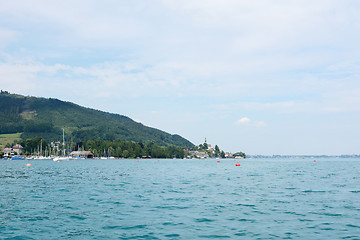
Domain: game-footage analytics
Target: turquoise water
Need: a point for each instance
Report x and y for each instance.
(180, 199)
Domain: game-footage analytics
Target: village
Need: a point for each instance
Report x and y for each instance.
(16, 152)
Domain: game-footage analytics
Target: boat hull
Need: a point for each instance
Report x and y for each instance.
(62, 159)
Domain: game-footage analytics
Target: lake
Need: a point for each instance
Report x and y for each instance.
(181, 199)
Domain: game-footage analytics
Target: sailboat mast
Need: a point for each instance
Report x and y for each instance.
(64, 142)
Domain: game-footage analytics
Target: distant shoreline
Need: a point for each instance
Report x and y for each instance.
(304, 156)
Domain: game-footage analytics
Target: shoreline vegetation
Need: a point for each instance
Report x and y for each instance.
(38, 146)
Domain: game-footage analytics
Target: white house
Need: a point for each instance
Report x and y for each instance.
(18, 149)
(7, 152)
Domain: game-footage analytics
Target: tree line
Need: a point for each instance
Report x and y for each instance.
(103, 148)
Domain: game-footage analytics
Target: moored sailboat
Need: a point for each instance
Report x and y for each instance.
(64, 157)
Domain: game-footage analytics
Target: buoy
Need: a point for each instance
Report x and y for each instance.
(218, 161)
(237, 164)
(314, 160)
(28, 164)
(137, 160)
(58, 161)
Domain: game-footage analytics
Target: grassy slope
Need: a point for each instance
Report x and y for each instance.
(11, 135)
(9, 138)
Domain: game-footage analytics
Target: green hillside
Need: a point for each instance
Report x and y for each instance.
(44, 117)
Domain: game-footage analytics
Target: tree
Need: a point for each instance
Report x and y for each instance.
(205, 146)
(34, 144)
(239, 154)
(125, 154)
(217, 150)
(118, 152)
(110, 151)
(222, 154)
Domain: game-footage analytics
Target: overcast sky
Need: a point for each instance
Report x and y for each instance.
(262, 77)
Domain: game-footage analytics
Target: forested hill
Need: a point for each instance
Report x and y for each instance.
(44, 117)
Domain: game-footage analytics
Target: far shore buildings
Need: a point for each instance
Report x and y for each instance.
(7, 152)
(82, 154)
(197, 154)
(18, 150)
(15, 150)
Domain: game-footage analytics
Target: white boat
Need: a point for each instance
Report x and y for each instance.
(64, 157)
(55, 159)
(42, 158)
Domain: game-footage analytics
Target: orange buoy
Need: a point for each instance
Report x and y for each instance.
(28, 164)
(237, 164)
(58, 161)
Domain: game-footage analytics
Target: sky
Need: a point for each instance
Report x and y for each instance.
(262, 77)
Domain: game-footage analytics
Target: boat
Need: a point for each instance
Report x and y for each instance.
(42, 158)
(64, 157)
(105, 155)
(17, 158)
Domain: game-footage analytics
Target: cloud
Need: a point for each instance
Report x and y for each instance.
(123, 79)
(244, 120)
(223, 42)
(185, 30)
(248, 122)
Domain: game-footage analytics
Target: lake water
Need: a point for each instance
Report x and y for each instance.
(180, 199)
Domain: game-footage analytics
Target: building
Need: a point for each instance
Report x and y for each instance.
(55, 145)
(15, 150)
(7, 152)
(18, 149)
(197, 154)
(82, 154)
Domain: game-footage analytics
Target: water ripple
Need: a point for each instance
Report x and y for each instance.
(180, 199)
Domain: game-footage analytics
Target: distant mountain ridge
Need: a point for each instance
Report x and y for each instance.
(44, 117)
